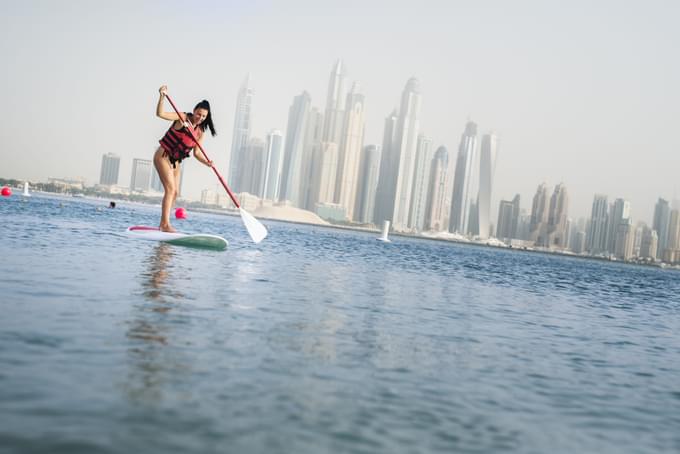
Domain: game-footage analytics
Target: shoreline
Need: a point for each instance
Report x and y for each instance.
(234, 213)
(657, 265)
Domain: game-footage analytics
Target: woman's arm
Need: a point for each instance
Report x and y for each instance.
(170, 116)
(198, 154)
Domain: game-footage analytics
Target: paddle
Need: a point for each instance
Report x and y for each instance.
(256, 230)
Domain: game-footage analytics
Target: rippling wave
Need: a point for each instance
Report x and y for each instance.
(322, 340)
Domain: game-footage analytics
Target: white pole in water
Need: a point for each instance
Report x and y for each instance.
(26, 193)
(385, 231)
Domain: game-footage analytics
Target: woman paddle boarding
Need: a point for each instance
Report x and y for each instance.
(176, 145)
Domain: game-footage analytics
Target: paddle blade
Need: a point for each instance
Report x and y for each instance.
(256, 230)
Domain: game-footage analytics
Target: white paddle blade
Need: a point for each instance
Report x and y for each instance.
(256, 230)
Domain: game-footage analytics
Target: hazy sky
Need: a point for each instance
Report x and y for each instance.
(581, 92)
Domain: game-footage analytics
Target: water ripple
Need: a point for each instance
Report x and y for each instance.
(322, 340)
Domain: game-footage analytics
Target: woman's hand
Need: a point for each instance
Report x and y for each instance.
(163, 90)
(209, 163)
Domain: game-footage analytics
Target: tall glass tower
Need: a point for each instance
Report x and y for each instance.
(462, 185)
(487, 166)
(241, 134)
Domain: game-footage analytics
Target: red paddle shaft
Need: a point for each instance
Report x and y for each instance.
(231, 194)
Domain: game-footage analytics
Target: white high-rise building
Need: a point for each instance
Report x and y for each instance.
(406, 140)
(208, 197)
(673, 240)
(110, 169)
(156, 183)
(508, 219)
(619, 213)
(487, 166)
(141, 175)
(312, 147)
(463, 180)
(540, 209)
(524, 226)
(349, 155)
(558, 219)
(421, 177)
(648, 244)
(398, 159)
(396, 163)
(596, 241)
(294, 151)
(367, 184)
(335, 98)
(662, 213)
(437, 208)
(241, 134)
(273, 165)
(623, 241)
(253, 167)
(322, 177)
(387, 178)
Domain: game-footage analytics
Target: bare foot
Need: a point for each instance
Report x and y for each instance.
(167, 228)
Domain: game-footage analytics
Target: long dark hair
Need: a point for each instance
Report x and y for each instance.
(207, 123)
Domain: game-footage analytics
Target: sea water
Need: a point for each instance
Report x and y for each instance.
(321, 340)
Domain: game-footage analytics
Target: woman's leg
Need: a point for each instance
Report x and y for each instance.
(176, 173)
(166, 174)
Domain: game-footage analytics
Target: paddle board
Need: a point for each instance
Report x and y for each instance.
(198, 240)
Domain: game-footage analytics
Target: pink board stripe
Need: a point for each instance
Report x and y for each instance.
(142, 227)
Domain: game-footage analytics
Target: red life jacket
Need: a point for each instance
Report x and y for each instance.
(178, 143)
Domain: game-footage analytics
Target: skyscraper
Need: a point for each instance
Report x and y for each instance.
(487, 166)
(406, 138)
(623, 244)
(673, 239)
(639, 232)
(110, 168)
(508, 219)
(312, 147)
(273, 165)
(335, 98)
(662, 213)
(462, 184)
(367, 185)
(596, 241)
(349, 155)
(473, 219)
(421, 177)
(387, 177)
(619, 213)
(524, 226)
(252, 167)
(578, 243)
(241, 134)
(323, 175)
(294, 151)
(649, 243)
(141, 175)
(156, 183)
(540, 209)
(436, 213)
(558, 228)
(504, 224)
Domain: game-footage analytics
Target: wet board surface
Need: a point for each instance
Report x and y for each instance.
(196, 240)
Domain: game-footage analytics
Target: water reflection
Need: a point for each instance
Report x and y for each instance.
(153, 359)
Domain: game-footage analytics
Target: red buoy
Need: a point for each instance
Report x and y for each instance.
(6, 191)
(181, 213)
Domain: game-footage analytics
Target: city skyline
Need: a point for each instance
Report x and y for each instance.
(610, 232)
(569, 107)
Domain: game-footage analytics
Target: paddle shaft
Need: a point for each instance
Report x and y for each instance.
(224, 183)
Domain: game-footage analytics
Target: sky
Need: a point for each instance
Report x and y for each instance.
(581, 92)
